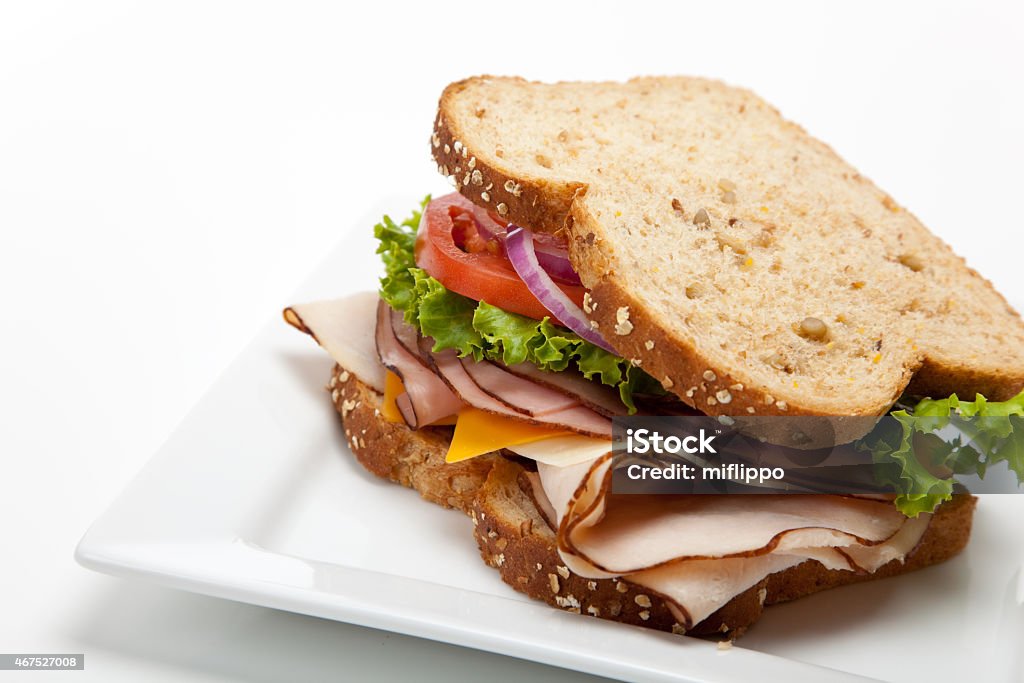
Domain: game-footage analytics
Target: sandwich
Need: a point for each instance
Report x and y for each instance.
(665, 246)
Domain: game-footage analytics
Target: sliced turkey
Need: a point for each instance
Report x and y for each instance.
(596, 396)
(700, 551)
(521, 395)
(345, 329)
(575, 417)
(426, 398)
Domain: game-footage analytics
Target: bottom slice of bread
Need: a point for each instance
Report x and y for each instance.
(515, 538)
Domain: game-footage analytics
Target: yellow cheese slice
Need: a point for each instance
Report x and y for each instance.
(393, 388)
(478, 432)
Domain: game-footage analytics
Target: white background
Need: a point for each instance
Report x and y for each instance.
(169, 173)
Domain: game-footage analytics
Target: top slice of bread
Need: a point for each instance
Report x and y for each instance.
(708, 227)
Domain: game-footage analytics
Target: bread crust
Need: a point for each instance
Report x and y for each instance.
(541, 203)
(415, 459)
(552, 204)
(515, 539)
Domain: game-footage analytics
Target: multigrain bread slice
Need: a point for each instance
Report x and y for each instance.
(708, 228)
(514, 537)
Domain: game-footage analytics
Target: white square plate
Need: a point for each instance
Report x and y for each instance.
(256, 498)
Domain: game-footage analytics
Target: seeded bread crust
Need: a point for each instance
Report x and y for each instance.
(393, 451)
(514, 538)
(543, 203)
(566, 157)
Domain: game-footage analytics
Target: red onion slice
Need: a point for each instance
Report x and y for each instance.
(551, 253)
(523, 256)
(495, 225)
(556, 264)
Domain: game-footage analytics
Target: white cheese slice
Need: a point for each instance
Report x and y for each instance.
(563, 451)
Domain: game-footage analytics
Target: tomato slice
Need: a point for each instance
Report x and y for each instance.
(451, 250)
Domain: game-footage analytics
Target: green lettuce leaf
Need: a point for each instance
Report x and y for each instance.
(483, 331)
(445, 316)
(920, 452)
(398, 287)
